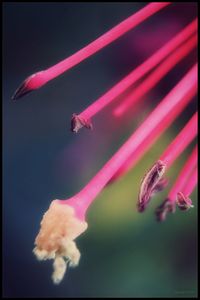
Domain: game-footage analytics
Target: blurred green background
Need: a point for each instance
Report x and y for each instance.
(124, 253)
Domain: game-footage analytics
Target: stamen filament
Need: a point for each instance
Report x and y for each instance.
(183, 176)
(182, 140)
(106, 38)
(40, 78)
(190, 185)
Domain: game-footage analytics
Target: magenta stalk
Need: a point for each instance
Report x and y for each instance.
(183, 139)
(155, 174)
(184, 175)
(183, 197)
(169, 204)
(40, 78)
(170, 62)
(84, 118)
(65, 220)
(156, 132)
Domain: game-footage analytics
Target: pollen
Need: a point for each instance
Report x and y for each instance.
(59, 228)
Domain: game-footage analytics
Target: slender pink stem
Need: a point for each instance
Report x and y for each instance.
(191, 184)
(106, 39)
(40, 78)
(182, 140)
(140, 71)
(183, 176)
(156, 76)
(166, 107)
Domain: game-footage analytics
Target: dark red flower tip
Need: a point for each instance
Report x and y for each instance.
(77, 122)
(151, 183)
(30, 84)
(183, 202)
(166, 207)
(22, 90)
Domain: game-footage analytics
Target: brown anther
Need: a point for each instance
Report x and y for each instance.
(78, 122)
(166, 207)
(183, 202)
(151, 183)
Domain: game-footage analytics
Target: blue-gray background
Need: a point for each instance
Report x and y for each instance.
(124, 254)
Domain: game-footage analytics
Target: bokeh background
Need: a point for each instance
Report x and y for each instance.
(124, 253)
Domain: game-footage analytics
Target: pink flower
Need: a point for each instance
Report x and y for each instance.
(66, 219)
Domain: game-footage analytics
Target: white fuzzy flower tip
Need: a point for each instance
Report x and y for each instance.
(59, 228)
